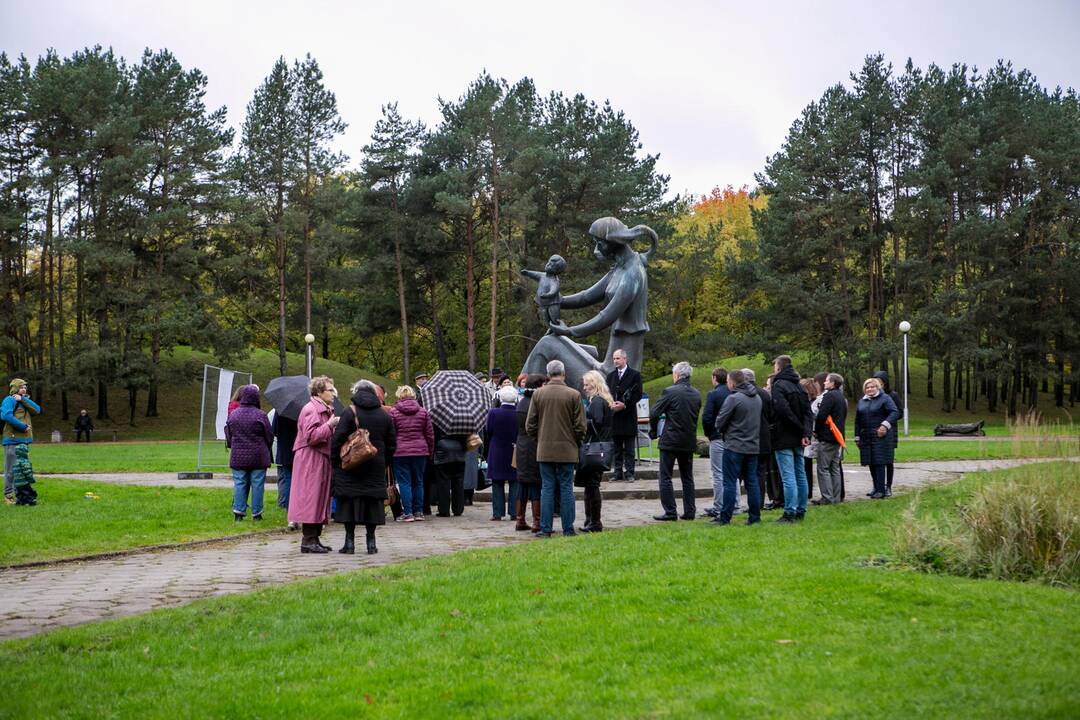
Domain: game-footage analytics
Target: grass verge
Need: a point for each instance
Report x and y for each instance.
(66, 523)
(679, 620)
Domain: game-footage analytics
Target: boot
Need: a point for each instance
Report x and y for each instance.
(371, 549)
(590, 520)
(349, 548)
(519, 515)
(536, 515)
(597, 502)
(310, 543)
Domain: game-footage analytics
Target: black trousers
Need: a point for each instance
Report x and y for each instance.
(450, 488)
(809, 476)
(429, 485)
(668, 459)
(80, 433)
(769, 477)
(624, 456)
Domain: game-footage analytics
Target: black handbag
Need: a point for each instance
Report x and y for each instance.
(596, 455)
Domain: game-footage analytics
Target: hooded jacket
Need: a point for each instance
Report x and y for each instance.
(248, 434)
(739, 420)
(415, 436)
(794, 420)
(15, 414)
(368, 480)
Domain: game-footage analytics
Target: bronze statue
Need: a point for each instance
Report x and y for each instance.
(625, 292)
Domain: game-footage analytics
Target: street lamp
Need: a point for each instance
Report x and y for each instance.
(905, 328)
(310, 340)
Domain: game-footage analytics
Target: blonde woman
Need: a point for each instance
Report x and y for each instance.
(415, 443)
(875, 415)
(598, 416)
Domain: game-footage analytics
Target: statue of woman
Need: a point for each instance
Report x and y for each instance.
(625, 292)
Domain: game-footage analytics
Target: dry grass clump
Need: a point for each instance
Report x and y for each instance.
(1023, 526)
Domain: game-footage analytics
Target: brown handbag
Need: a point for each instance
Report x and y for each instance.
(392, 493)
(358, 449)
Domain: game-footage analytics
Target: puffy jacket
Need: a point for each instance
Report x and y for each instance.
(679, 406)
(368, 480)
(248, 434)
(894, 431)
(870, 413)
(791, 404)
(415, 435)
(739, 420)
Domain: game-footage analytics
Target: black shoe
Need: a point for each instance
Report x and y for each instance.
(719, 521)
(238, 517)
(888, 492)
(316, 549)
(665, 518)
(800, 516)
(257, 518)
(710, 512)
(772, 506)
(684, 516)
(877, 496)
(349, 548)
(752, 522)
(371, 549)
(786, 518)
(544, 535)
(442, 514)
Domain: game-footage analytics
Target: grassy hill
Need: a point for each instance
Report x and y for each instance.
(179, 396)
(925, 412)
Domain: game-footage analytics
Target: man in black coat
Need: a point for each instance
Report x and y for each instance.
(791, 433)
(679, 407)
(624, 384)
(768, 477)
(833, 405)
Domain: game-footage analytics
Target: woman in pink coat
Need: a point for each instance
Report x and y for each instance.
(309, 497)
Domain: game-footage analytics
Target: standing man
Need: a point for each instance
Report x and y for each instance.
(556, 421)
(624, 384)
(679, 406)
(83, 426)
(285, 431)
(791, 433)
(767, 479)
(15, 411)
(834, 406)
(739, 423)
(713, 402)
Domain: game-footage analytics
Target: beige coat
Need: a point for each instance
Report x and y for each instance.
(557, 422)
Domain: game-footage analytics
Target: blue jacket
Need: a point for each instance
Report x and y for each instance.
(713, 402)
(10, 412)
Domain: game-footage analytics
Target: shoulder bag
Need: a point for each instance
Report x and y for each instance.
(596, 455)
(358, 449)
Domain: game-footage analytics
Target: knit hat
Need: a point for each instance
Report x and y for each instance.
(14, 385)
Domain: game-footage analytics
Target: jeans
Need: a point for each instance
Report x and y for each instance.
(284, 482)
(244, 480)
(793, 474)
(409, 475)
(9, 470)
(828, 472)
(563, 475)
(686, 474)
(743, 465)
(624, 456)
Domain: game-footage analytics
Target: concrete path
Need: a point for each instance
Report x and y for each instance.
(38, 599)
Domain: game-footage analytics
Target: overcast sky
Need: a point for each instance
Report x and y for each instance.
(711, 86)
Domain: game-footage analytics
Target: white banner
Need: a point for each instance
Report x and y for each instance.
(224, 394)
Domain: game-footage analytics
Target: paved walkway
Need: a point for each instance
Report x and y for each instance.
(38, 599)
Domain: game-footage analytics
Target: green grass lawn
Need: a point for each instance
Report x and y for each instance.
(65, 523)
(679, 620)
(161, 456)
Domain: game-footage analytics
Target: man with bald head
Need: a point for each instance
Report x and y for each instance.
(624, 384)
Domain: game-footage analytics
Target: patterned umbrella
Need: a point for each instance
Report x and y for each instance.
(457, 402)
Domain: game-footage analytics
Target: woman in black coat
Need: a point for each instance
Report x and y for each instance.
(359, 493)
(598, 422)
(875, 416)
(528, 471)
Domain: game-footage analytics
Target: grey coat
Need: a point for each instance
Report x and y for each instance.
(739, 420)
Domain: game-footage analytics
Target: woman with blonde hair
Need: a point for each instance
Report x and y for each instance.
(415, 442)
(598, 417)
(875, 415)
(309, 496)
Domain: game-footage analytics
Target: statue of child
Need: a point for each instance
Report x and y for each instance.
(548, 296)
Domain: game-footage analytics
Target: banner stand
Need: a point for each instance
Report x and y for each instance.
(226, 381)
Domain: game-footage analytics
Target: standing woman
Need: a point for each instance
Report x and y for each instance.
(502, 434)
(813, 391)
(894, 431)
(528, 470)
(309, 496)
(875, 416)
(359, 493)
(249, 439)
(598, 419)
(415, 442)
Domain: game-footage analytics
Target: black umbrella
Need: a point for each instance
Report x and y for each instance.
(289, 394)
(457, 402)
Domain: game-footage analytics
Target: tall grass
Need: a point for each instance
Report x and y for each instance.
(1024, 525)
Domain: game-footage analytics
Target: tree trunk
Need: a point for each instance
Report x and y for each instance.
(494, 330)
(946, 397)
(440, 341)
(403, 312)
(470, 292)
(929, 373)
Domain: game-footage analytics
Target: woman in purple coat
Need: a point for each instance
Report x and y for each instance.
(249, 439)
(502, 433)
(415, 442)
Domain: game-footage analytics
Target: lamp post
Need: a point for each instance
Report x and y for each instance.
(310, 340)
(905, 328)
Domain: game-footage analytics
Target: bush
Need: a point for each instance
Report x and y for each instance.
(1025, 526)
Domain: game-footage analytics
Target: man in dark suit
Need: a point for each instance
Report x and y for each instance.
(624, 384)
